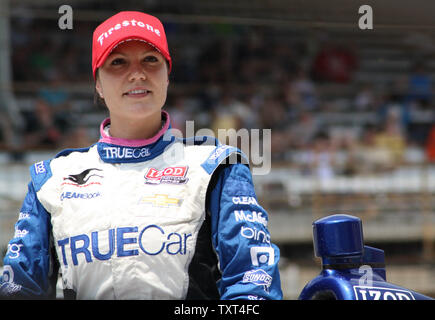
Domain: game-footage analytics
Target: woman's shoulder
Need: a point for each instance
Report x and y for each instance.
(212, 153)
(67, 159)
(72, 151)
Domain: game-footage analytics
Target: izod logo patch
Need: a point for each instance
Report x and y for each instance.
(173, 175)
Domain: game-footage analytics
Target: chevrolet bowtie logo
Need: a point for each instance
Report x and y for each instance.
(161, 200)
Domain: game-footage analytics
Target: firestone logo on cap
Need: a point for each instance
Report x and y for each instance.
(128, 25)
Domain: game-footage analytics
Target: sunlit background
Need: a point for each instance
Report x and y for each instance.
(351, 111)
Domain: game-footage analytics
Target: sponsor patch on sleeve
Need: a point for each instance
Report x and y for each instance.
(40, 173)
(217, 156)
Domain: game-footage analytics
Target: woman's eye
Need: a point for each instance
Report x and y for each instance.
(117, 61)
(151, 59)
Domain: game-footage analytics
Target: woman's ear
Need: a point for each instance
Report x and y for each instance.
(98, 88)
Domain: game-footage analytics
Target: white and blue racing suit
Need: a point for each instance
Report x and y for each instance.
(163, 218)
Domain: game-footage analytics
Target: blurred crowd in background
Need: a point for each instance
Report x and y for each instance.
(241, 77)
(356, 105)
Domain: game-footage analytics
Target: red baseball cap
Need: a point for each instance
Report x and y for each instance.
(127, 25)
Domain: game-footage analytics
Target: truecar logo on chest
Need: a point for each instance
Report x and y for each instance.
(126, 153)
(123, 242)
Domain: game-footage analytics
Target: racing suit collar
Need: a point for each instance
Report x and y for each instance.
(133, 143)
(116, 150)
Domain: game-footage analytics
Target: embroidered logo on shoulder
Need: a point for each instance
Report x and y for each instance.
(173, 175)
(40, 168)
(221, 154)
(217, 153)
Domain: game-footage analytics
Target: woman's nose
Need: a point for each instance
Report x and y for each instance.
(137, 73)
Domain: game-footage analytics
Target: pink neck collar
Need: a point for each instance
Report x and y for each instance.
(133, 143)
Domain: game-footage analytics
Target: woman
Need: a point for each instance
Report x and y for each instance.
(141, 214)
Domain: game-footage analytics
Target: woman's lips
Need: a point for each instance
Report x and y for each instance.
(137, 93)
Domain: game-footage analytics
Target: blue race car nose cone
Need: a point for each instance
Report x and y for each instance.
(338, 235)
